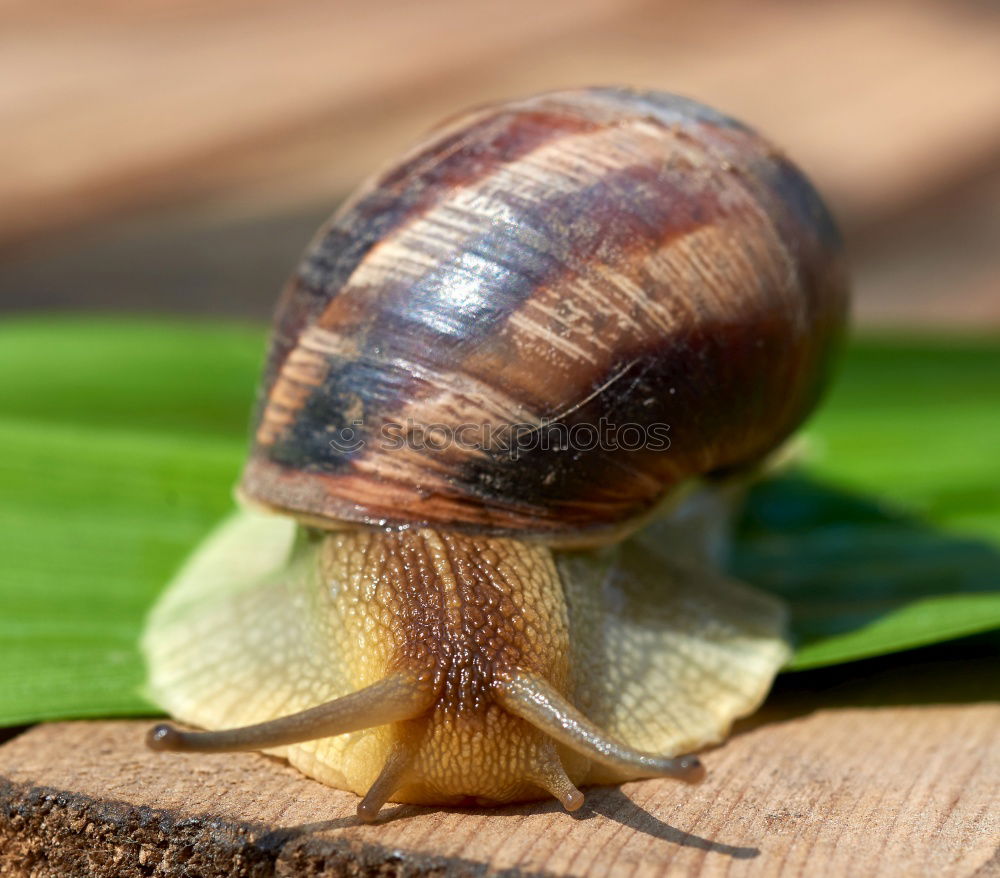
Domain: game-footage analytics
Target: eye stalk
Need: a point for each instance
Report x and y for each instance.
(394, 699)
(399, 698)
(536, 702)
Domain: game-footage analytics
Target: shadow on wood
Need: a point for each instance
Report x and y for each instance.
(859, 791)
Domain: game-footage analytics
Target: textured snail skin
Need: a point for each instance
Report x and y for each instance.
(439, 667)
(445, 625)
(578, 256)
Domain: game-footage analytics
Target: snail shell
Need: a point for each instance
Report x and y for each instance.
(415, 625)
(578, 258)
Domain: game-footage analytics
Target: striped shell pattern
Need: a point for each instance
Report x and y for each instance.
(572, 260)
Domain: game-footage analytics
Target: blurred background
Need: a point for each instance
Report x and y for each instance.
(175, 155)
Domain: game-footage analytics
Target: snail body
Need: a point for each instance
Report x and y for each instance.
(461, 598)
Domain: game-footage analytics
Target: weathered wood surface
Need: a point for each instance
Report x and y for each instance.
(178, 155)
(858, 791)
(107, 106)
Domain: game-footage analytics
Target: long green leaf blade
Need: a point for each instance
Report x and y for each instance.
(120, 440)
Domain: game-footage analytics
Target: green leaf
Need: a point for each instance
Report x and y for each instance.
(120, 440)
(861, 578)
(892, 541)
(917, 422)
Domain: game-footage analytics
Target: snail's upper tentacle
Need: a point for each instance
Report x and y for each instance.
(398, 697)
(534, 700)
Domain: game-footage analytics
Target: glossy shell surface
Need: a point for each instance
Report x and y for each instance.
(631, 266)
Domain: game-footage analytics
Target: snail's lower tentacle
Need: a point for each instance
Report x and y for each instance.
(397, 697)
(551, 776)
(390, 779)
(534, 700)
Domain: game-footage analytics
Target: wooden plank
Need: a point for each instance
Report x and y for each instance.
(848, 791)
(935, 267)
(105, 107)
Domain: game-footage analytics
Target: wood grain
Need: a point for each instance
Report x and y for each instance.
(177, 155)
(106, 106)
(859, 791)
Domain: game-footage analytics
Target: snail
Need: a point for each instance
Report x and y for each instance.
(512, 393)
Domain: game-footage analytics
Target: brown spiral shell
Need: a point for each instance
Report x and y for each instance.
(578, 260)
